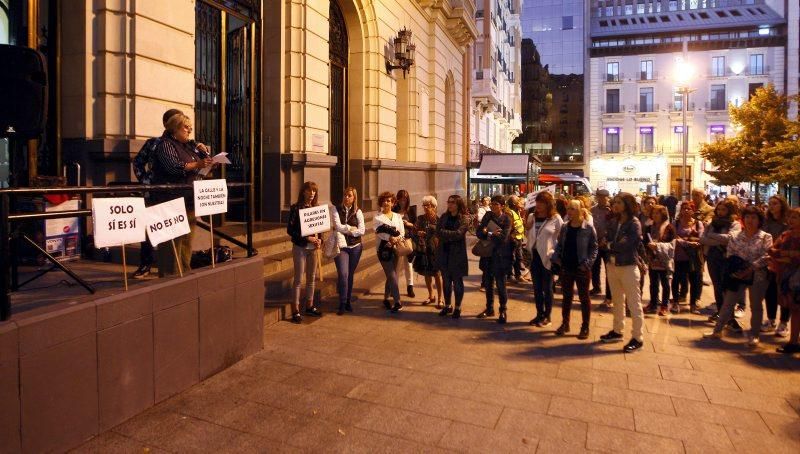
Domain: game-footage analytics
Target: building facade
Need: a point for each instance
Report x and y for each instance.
(634, 107)
(496, 77)
(557, 28)
(293, 90)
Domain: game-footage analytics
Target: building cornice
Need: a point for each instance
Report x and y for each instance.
(458, 17)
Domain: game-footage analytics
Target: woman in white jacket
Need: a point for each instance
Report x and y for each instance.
(543, 225)
(349, 227)
(390, 230)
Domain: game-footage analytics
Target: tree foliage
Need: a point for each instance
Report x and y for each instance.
(763, 150)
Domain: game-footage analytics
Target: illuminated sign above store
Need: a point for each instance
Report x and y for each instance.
(612, 130)
(646, 130)
(718, 129)
(678, 129)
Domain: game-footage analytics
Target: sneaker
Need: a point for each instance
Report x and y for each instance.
(632, 346)
(410, 291)
(734, 326)
(297, 318)
(502, 318)
(651, 309)
(611, 336)
(584, 334)
(313, 311)
(693, 309)
(595, 291)
(714, 317)
(563, 329)
(543, 322)
(535, 320)
(663, 311)
(713, 335)
(457, 313)
(768, 326)
(782, 330)
(397, 308)
(752, 340)
(142, 272)
(739, 312)
(444, 311)
(387, 304)
(482, 289)
(485, 314)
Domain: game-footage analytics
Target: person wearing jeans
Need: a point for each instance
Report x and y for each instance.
(304, 252)
(747, 256)
(601, 216)
(349, 228)
(495, 226)
(688, 258)
(775, 225)
(451, 252)
(575, 252)
(390, 231)
(543, 227)
(659, 237)
(402, 206)
(716, 235)
(624, 237)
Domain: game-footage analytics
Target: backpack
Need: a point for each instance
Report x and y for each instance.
(143, 162)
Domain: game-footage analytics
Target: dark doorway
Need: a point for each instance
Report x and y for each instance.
(337, 146)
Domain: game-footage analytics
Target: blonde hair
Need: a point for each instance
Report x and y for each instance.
(577, 205)
(176, 122)
(429, 199)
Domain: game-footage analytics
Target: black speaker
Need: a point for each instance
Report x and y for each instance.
(23, 92)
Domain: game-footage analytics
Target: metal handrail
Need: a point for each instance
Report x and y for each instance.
(7, 218)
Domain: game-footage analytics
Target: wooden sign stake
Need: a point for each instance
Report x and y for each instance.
(177, 259)
(211, 228)
(124, 268)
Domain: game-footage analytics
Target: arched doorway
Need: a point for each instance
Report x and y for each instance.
(337, 146)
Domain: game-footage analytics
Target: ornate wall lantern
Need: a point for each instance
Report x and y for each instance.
(404, 51)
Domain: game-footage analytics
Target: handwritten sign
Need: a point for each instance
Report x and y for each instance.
(315, 220)
(530, 199)
(210, 197)
(117, 221)
(166, 221)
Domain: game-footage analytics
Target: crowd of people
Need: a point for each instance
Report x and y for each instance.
(566, 242)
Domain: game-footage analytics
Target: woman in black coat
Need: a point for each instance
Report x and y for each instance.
(495, 226)
(451, 252)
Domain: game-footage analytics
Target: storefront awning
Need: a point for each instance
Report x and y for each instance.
(506, 165)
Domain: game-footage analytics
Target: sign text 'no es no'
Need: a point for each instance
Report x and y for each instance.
(166, 221)
(210, 197)
(118, 221)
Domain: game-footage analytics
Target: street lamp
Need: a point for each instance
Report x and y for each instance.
(683, 75)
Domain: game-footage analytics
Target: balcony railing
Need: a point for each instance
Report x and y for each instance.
(567, 158)
(644, 76)
(761, 70)
(614, 78)
(647, 108)
(715, 106)
(677, 107)
(612, 109)
(724, 73)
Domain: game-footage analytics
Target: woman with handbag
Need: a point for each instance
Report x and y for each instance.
(543, 225)
(688, 258)
(304, 252)
(451, 252)
(425, 250)
(390, 231)
(348, 229)
(723, 226)
(575, 253)
(496, 260)
(402, 206)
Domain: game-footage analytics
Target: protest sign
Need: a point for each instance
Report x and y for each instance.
(210, 197)
(315, 220)
(166, 221)
(118, 221)
(530, 199)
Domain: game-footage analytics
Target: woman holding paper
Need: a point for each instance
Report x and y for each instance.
(495, 226)
(349, 225)
(304, 252)
(390, 230)
(176, 162)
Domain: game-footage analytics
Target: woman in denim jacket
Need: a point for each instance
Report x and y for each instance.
(624, 236)
(575, 253)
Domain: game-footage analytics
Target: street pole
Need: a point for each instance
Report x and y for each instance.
(685, 142)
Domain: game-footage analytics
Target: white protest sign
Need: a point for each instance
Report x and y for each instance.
(530, 199)
(315, 220)
(118, 221)
(166, 221)
(210, 197)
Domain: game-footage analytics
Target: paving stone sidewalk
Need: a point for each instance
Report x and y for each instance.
(415, 382)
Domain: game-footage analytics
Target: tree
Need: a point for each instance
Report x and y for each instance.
(783, 157)
(761, 124)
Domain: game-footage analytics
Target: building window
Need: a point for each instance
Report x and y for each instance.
(717, 132)
(677, 100)
(646, 139)
(646, 70)
(717, 66)
(612, 71)
(751, 90)
(646, 99)
(673, 5)
(612, 101)
(718, 101)
(757, 64)
(566, 23)
(612, 140)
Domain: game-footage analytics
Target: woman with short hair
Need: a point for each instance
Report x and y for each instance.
(451, 252)
(304, 252)
(425, 250)
(624, 237)
(390, 231)
(746, 268)
(575, 252)
(495, 227)
(349, 225)
(775, 225)
(543, 226)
